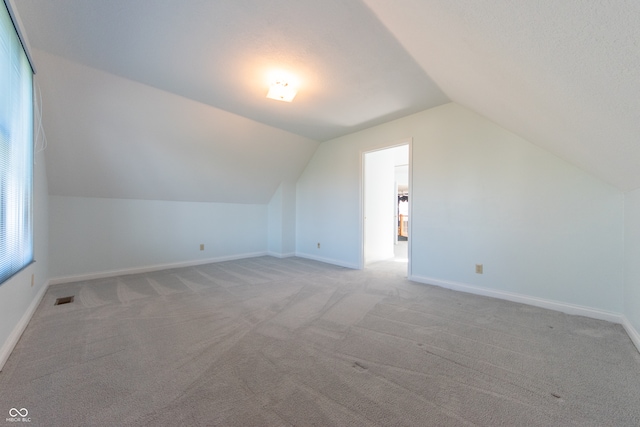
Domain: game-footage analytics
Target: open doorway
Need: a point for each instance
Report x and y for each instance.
(385, 208)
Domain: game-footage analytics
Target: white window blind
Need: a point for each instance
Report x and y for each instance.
(16, 151)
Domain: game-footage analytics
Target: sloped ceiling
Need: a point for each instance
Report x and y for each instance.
(166, 99)
(116, 138)
(201, 127)
(563, 74)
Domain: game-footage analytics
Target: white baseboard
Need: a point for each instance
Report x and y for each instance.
(280, 255)
(328, 260)
(632, 332)
(14, 337)
(578, 310)
(146, 269)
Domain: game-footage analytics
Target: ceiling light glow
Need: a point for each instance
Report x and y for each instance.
(281, 90)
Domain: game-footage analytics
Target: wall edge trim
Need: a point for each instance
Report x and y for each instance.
(634, 335)
(149, 268)
(9, 345)
(328, 260)
(281, 255)
(563, 307)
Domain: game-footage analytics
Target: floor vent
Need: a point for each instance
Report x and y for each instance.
(64, 300)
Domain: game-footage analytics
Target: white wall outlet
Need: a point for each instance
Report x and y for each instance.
(479, 268)
(202, 246)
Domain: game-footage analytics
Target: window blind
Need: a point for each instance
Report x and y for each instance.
(16, 151)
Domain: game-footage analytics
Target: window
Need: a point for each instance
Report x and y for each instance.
(16, 151)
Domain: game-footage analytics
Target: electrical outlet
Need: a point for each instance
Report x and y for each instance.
(479, 268)
(318, 245)
(202, 246)
(33, 278)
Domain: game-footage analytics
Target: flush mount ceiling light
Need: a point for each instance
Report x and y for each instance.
(281, 91)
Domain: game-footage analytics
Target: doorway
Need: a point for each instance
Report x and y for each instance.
(385, 208)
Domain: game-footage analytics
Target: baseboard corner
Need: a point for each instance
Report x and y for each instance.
(328, 260)
(632, 332)
(281, 255)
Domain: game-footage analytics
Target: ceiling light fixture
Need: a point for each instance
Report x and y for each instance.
(281, 91)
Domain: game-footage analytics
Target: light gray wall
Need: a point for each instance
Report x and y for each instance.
(288, 218)
(91, 235)
(282, 221)
(542, 227)
(18, 298)
(275, 211)
(632, 259)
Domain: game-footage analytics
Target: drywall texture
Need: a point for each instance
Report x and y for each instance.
(90, 235)
(541, 227)
(17, 296)
(632, 259)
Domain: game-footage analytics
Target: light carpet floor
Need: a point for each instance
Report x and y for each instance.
(282, 342)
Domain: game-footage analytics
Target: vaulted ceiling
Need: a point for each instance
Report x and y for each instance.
(565, 75)
(166, 99)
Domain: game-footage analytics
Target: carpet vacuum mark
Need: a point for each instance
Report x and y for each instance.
(294, 342)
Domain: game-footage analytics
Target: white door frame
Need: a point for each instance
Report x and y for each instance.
(404, 141)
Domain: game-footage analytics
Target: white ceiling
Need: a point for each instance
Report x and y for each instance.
(565, 74)
(166, 99)
(352, 71)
